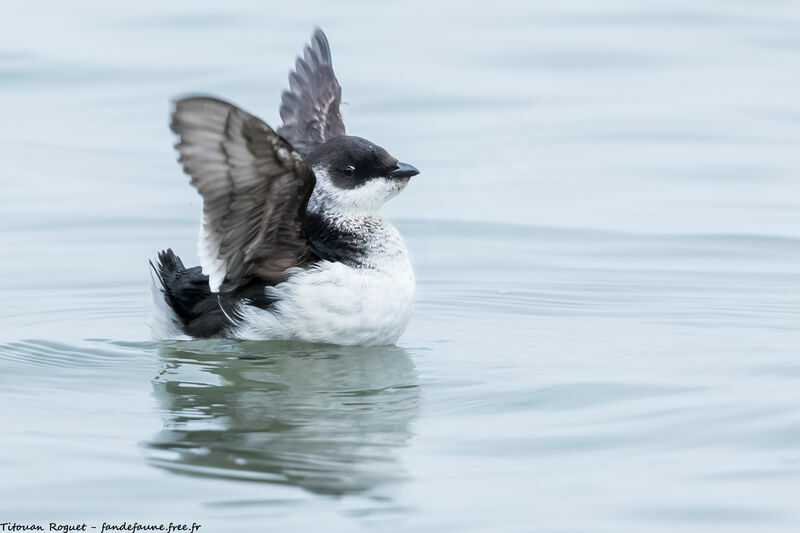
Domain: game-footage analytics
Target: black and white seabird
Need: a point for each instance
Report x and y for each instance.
(292, 246)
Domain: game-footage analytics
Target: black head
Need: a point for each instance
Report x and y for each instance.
(351, 162)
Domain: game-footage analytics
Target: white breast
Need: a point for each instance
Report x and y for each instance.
(339, 304)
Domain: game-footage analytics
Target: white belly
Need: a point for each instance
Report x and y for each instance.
(335, 303)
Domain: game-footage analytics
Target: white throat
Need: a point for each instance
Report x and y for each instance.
(362, 201)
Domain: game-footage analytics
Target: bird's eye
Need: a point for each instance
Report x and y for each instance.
(349, 171)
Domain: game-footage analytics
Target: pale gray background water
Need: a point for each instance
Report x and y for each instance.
(606, 235)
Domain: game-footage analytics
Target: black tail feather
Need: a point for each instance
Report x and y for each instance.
(201, 312)
(186, 291)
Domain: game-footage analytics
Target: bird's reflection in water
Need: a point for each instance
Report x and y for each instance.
(328, 419)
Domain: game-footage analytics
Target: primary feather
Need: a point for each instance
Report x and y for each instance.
(310, 108)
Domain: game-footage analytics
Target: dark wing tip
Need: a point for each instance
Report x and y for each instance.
(310, 108)
(320, 47)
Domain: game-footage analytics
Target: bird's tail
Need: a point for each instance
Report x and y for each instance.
(175, 291)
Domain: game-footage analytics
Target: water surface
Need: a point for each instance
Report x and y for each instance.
(606, 236)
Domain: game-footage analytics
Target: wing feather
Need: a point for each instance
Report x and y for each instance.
(310, 108)
(255, 189)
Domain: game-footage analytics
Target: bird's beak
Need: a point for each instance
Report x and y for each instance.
(403, 170)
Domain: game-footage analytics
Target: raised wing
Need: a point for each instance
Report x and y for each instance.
(310, 108)
(255, 189)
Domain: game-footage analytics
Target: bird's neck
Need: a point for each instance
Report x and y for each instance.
(358, 239)
(345, 218)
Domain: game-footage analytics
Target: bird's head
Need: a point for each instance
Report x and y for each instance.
(355, 176)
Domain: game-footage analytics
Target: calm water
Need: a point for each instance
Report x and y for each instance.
(607, 243)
